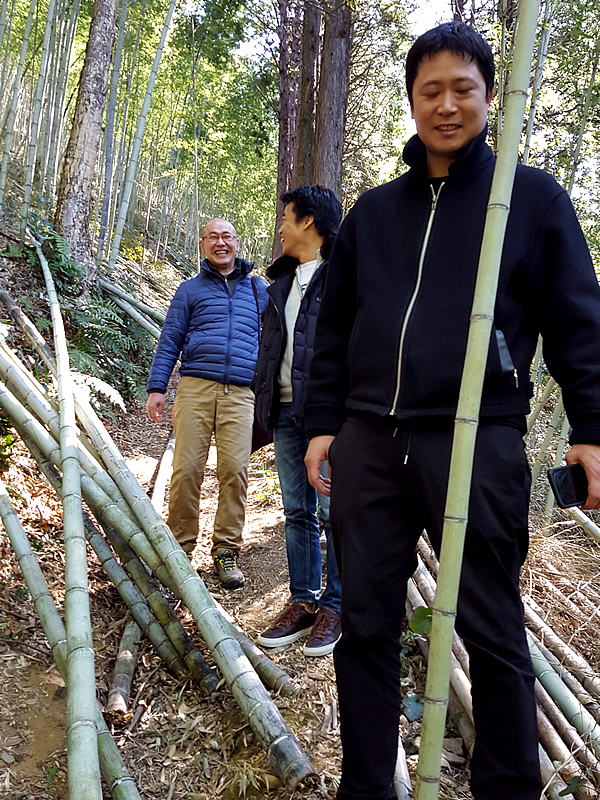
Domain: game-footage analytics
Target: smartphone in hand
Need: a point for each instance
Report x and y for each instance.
(569, 485)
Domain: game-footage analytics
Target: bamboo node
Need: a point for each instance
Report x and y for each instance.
(426, 779)
(503, 206)
(443, 613)
(467, 420)
(450, 518)
(119, 781)
(442, 701)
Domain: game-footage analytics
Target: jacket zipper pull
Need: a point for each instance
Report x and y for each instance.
(516, 374)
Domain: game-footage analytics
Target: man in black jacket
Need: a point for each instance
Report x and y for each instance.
(311, 219)
(381, 400)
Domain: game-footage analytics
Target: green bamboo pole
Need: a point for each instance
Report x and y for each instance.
(113, 289)
(532, 418)
(560, 449)
(125, 196)
(137, 316)
(9, 127)
(35, 118)
(576, 714)
(82, 735)
(130, 594)
(120, 685)
(586, 523)
(551, 431)
(287, 758)
(114, 771)
(161, 609)
(461, 464)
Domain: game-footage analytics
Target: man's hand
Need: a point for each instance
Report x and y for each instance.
(155, 405)
(588, 455)
(318, 451)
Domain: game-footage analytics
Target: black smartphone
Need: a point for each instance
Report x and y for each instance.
(569, 485)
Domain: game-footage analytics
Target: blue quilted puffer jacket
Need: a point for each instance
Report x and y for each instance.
(214, 333)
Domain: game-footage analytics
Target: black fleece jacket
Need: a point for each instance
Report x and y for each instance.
(274, 338)
(392, 328)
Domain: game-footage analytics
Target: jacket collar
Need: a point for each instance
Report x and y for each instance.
(244, 266)
(474, 154)
(288, 264)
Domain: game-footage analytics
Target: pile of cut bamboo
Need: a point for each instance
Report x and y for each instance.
(138, 552)
(567, 688)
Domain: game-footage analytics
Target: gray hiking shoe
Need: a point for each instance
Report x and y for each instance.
(230, 575)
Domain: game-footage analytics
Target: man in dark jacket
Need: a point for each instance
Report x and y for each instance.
(311, 219)
(381, 400)
(213, 325)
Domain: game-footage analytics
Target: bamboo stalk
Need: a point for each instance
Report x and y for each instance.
(163, 476)
(114, 771)
(461, 463)
(284, 752)
(555, 787)
(588, 525)
(551, 431)
(120, 687)
(560, 753)
(567, 732)
(137, 316)
(575, 662)
(130, 594)
(82, 737)
(576, 714)
(560, 449)
(182, 642)
(570, 606)
(585, 698)
(125, 196)
(113, 289)
(270, 673)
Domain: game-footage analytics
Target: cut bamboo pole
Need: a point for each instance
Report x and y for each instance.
(122, 677)
(585, 522)
(270, 673)
(114, 771)
(82, 737)
(551, 431)
(567, 732)
(284, 752)
(463, 446)
(560, 449)
(576, 714)
(161, 609)
(130, 594)
(569, 657)
(163, 475)
(539, 406)
(559, 753)
(574, 610)
(555, 788)
(113, 289)
(585, 698)
(137, 317)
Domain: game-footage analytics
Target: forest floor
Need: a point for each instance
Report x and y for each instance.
(176, 742)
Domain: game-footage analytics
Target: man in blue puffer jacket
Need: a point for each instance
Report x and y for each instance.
(213, 325)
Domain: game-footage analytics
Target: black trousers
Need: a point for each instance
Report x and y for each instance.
(388, 484)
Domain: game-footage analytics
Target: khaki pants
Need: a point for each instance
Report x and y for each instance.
(200, 408)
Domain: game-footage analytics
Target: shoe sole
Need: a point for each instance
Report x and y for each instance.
(283, 640)
(323, 650)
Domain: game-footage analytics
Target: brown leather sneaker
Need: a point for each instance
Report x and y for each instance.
(294, 622)
(230, 575)
(325, 634)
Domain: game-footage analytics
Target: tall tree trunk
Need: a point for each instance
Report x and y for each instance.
(311, 41)
(333, 98)
(289, 63)
(76, 181)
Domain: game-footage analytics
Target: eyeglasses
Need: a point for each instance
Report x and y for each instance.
(226, 237)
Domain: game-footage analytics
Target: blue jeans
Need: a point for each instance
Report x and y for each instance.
(300, 502)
